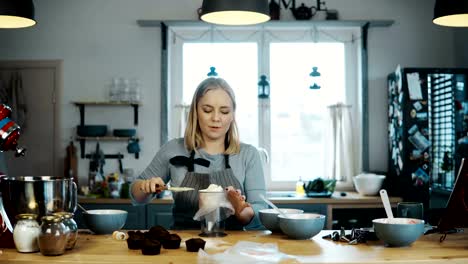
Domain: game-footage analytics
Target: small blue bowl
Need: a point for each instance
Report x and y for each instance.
(105, 221)
(398, 232)
(122, 132)
(269, 217)
(91, 130)
(301, 226)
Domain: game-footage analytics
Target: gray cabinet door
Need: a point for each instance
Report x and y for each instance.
(136, 218)
(41, 130)
(159, 214)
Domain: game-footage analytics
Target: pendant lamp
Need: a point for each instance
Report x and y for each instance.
(235, 12)
(16, 13)
(451, 13)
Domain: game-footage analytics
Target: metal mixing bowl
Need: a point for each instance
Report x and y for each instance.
(40, 195)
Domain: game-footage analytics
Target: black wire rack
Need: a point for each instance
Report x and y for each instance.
(442, 128)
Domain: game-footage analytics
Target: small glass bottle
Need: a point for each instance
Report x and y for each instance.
(134, 86)
(25, 233)
(70, 223)
(124, 90)
(300, 187)
(114, 91)
(53, 236)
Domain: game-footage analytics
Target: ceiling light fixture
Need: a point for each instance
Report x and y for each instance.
(451, 13)
(235, 12)
(16, 13)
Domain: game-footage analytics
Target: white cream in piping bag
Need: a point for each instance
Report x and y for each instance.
(213, 188)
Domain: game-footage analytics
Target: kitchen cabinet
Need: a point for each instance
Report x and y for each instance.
(82, 106)
(159, 214)
(336, 208)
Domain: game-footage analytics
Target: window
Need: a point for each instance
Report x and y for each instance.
(290, 124)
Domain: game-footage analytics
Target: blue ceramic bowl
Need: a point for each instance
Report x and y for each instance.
(105, 221)
(301, 226)
(121, 132)
(398, 232)
(91, 130)
(269, 217)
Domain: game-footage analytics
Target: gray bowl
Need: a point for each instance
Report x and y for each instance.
(301, 226)
(105, 221)
(398, 232)
(269, 217)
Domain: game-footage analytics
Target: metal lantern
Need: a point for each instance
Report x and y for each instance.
(315, 79)
(263, 87)
(212, 72)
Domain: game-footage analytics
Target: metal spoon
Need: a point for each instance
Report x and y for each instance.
(272, 205)
(386, 203)
(82, 208)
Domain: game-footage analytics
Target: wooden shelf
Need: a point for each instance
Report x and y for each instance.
(83, 140)
(108, 138)
(81, 105)
(105, 103)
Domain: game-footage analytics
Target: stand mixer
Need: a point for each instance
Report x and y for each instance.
(9, 132)
(9, 135)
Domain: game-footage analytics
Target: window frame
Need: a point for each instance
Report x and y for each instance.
(354, 76)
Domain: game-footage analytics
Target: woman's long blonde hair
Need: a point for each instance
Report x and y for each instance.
(193, 135)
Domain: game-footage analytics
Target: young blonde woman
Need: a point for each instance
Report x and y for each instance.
(209, 153)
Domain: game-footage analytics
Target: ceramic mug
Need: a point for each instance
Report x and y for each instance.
(410, 210)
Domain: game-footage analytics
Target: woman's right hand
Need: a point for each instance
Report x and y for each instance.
(152, 185)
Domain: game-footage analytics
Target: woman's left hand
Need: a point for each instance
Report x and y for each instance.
(243, 210)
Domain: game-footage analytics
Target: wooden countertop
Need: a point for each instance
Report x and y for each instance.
(104, 249)
(350, 198)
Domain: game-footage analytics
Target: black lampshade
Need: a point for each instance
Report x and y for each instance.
(16, 13)
(451, 13)
(235, 12)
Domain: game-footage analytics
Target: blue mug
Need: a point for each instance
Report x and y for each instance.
(133, 146)
(410, 210)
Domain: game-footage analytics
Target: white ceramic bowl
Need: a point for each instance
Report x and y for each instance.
(368, 184)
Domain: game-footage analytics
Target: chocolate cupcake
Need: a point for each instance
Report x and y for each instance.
(157, 233)
(151, 247)
(194, 244)
(135, 239)
(172, 241)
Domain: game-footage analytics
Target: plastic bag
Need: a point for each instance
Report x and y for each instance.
(209, 203)
(246, 252)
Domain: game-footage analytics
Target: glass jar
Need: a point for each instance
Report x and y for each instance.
(53, 235)
(72, 227)
(25, 233)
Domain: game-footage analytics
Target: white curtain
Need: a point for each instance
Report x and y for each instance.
(182, 114)
(340, 143)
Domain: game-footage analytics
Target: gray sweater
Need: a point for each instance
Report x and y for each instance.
(246, 166)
